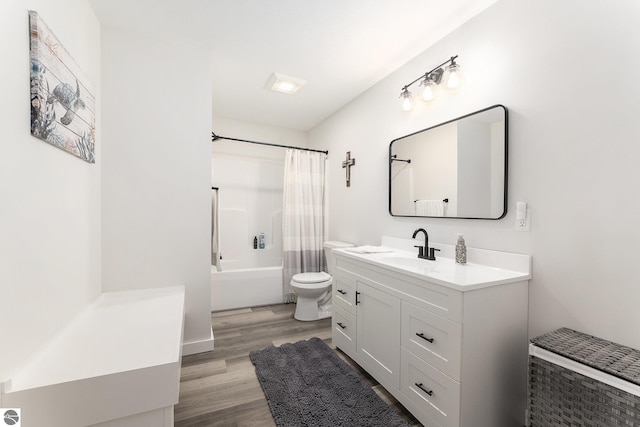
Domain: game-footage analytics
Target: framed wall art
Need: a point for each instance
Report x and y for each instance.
(62, 100)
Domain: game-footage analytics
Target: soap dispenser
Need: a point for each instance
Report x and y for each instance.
(461, 251)
(261, 243)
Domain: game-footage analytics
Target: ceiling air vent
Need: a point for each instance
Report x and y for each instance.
(284, 84)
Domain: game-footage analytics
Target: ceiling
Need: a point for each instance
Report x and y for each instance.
(340, 47)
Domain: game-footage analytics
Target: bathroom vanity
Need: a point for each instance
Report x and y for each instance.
(448, 341)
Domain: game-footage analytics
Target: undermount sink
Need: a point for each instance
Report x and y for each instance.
(405, 262)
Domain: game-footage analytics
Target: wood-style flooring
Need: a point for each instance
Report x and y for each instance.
(220, 387)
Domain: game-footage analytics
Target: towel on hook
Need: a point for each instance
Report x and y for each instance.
(429, 208)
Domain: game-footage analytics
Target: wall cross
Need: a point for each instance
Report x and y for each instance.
(347, 165)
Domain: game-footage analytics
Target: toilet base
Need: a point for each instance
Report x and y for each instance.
(307, 310)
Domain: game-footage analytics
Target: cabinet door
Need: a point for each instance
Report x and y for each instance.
(378, 333)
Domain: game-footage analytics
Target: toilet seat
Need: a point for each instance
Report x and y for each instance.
(311, 280)
(311, 277)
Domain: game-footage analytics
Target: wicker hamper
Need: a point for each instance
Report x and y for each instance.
(579, 380)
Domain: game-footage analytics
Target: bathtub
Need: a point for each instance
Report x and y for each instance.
(247, 287)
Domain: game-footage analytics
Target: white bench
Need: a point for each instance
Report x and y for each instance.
(117, 363)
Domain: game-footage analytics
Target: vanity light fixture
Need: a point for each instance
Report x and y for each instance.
(429, 87)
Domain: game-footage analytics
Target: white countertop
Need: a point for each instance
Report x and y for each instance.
(444, 271)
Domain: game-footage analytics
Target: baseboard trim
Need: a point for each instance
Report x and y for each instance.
(200, 346)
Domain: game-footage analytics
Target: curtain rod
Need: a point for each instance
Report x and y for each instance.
(215, 137)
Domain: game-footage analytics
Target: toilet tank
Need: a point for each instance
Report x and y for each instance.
(330, 245)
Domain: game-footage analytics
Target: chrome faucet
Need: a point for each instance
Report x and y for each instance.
(425, 252)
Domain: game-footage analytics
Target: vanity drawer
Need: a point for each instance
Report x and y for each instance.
(431, 390)
(432, 338)
(344, 331)
(344, 293)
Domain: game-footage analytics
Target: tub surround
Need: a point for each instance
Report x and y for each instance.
(448, 341)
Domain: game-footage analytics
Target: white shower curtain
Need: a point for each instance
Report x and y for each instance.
(303, 216)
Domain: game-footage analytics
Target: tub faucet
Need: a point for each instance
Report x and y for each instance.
(425, 252)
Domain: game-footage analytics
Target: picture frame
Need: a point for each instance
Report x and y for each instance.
(62, 102)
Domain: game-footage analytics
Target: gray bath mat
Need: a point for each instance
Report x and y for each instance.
(307, 384)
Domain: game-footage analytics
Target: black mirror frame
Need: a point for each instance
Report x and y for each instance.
(506, 163)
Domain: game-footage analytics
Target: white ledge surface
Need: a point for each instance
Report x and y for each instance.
(120, 356)
(120, 331)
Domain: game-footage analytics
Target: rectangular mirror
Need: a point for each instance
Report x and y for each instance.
(457, 169)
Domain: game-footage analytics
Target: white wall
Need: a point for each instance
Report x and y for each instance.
(156, 172)
(241, 129)
(49, 199)
(566, 72)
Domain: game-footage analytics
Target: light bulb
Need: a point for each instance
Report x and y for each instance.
(429, 90)
(407, 102)
(453, 81)
(453, 76)
(407, 105)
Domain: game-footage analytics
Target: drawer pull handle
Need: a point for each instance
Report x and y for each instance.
(421, 387)
(341, 325)
(357, 300)
(421, 335)
(342, 292)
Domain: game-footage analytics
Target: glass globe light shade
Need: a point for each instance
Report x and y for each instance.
(407, 102)
(453, 77)
(429, 90)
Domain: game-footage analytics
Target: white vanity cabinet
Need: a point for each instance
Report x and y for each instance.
(454, 354)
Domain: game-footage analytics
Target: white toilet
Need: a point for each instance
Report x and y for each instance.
(313, 290)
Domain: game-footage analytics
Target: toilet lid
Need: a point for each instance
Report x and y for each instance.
(311, 277)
